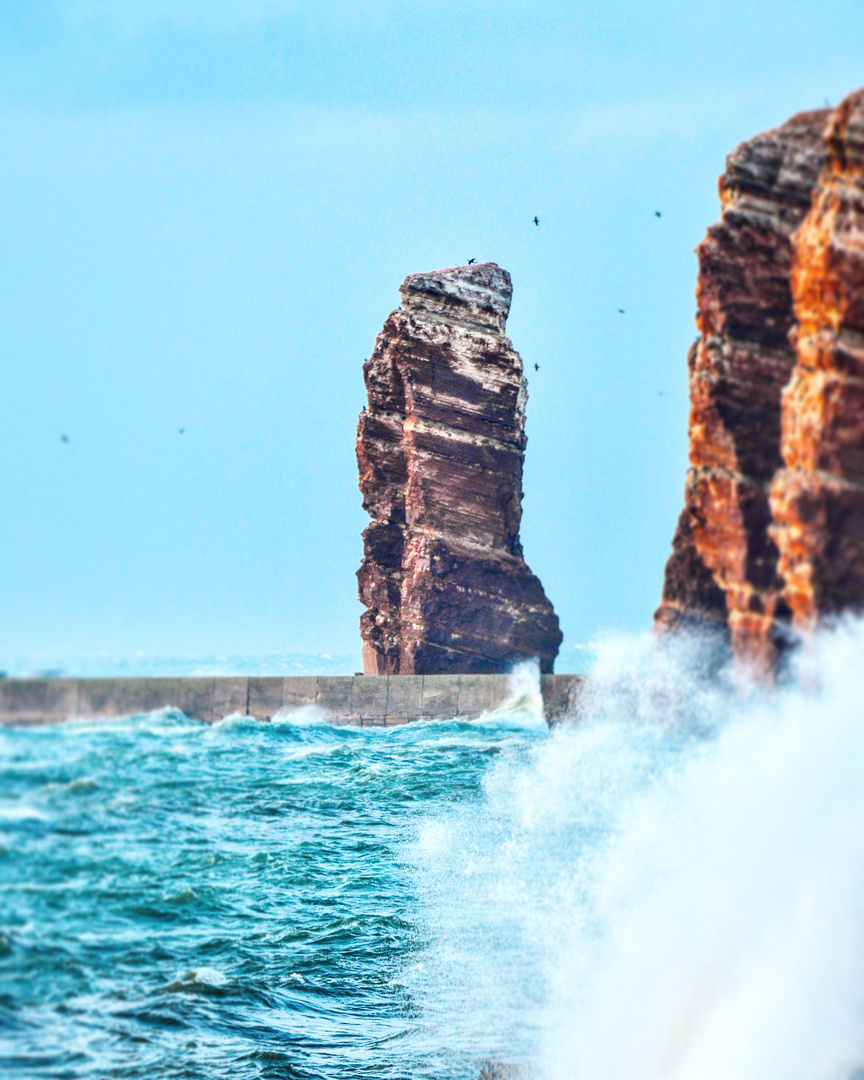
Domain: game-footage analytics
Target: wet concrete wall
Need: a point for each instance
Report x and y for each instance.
(380, 700)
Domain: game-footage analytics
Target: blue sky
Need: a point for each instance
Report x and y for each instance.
(208, 207)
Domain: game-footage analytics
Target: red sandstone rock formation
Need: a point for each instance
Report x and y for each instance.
(692, 599)
(724, 562)
(817, 500)
(440, 449)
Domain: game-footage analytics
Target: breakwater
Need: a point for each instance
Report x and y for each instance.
(380, 700)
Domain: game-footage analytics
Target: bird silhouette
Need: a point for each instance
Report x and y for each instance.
(536, 220)
(657, 213)
(621, 311)
(64, 438)
(470, 261)
(536, 367)
(181, 430)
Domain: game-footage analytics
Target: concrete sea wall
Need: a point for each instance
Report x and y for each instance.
(381, 700)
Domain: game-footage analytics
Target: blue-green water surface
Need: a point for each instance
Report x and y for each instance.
(178, 900)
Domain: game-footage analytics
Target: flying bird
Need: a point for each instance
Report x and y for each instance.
(64, 438)
(536, 367)
(621, 311)
(536, 220)
(657, 213)
(470, 261)
(181, 430)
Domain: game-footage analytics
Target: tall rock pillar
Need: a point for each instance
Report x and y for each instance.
(440, 448)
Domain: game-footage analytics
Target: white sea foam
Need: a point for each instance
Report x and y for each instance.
(299, 753)
(202, 978)
(235, 721)
(14, 812)
(302, 716)
(672, 888)
(523, 706)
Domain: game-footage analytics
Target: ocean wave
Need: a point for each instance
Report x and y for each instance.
(671, 887)
(18, 812)
(198, 980)
(302, 716)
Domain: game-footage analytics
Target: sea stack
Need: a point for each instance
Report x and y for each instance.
(440, 448)
(723, 572)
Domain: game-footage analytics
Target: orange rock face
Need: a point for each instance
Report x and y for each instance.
(724, 566)
(775, 495)
(817, 499)
(691, 597)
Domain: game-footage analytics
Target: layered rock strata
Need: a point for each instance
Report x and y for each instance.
(692, 599)
(817, 500)
(440, 448)
(724, 566)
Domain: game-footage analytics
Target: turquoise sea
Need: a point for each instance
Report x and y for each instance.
(670, 888)
(241, 900)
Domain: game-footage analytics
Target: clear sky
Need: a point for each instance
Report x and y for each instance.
(207, 209)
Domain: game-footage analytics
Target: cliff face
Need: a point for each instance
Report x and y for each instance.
(817, 500)
(440, 448)
(692, 599)
(724, 566)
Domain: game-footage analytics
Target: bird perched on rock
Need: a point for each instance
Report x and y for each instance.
(471, 261)
(536, 220)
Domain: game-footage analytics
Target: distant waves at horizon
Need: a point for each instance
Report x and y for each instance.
(144, 665)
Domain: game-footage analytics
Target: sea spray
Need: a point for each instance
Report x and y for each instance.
(671, 887)
(523, 706)
(501, 881)
(728, 935)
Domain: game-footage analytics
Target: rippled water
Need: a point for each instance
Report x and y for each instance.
(227, 901)
(670, 889)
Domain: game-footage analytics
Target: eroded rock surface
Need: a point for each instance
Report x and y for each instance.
(817, 500)
(725, 563)
(692, 599)
(440, 448)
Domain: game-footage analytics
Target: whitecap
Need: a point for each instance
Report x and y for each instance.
(21, 813)
(234, 722)
(302, 716)
(523, 707)
(203, 978)
(299, 753)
